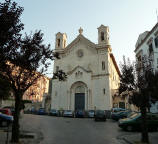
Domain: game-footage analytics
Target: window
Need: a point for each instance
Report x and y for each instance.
(103, 90)
(150, 48)
(103, 65)
(58, 42)
(102, 36)
(156, 42)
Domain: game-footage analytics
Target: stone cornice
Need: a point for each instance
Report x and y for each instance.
(100, 75)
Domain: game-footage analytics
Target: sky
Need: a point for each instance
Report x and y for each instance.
(126, 20)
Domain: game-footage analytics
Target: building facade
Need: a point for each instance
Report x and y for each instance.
(36, 92)
(147, 45)
(92, 73)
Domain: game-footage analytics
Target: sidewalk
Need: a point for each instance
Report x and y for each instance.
(133, 138)
(25, 137)
(3, 135)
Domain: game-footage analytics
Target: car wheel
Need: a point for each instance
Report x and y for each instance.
(129, 128)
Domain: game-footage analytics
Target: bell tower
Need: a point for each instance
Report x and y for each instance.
(103, 35)
(61, 39)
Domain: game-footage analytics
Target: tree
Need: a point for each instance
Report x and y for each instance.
(141, 86)
(127, 78)
(5, 88)
(23, 59)
(147, 84)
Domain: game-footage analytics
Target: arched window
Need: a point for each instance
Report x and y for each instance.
(103, 65)
(102, 36)
(58, 42)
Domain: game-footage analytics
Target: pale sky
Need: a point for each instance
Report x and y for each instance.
(126, 20)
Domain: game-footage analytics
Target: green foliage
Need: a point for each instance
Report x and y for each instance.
(127, 78)
(26, 101)
(143, 88)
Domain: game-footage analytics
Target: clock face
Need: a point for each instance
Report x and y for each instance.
(80, 53)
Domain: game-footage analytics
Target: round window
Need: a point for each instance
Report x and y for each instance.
(80, 53)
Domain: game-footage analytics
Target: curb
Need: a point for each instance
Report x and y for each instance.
(124, 139)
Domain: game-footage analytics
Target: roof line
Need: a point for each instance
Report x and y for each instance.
(146, 37)
(114, 61)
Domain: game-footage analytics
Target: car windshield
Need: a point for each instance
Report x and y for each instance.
(53, 110)
(100, 112)
(68, 111)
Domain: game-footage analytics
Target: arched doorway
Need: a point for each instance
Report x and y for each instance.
(80, 98)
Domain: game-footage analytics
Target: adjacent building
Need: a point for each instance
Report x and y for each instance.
(36, 92)
(92, 73)
(147, 45)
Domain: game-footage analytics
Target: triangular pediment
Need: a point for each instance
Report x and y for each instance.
(77, 68)
(82, 39)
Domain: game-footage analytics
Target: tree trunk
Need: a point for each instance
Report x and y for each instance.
(145, 137)
(16, 126)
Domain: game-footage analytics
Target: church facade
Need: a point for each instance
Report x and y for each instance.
(92, 73)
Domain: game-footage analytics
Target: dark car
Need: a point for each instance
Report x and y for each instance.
(54, 112)
(134, 122)
(41, 111)
(119, 115)
(68, 113)
(79, 113)
(100, 115)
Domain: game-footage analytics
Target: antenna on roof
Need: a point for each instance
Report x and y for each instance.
(156, 15)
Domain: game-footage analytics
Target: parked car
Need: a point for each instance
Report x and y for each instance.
(91, 113)
(68, 113)
(11, 108)
(117, 109)
(80, 113)
(33, 110)
(41, 111)
(5, 119)
(100, 115)
(54, 112)
(134, 122)
(6, 111)
(119, 115)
